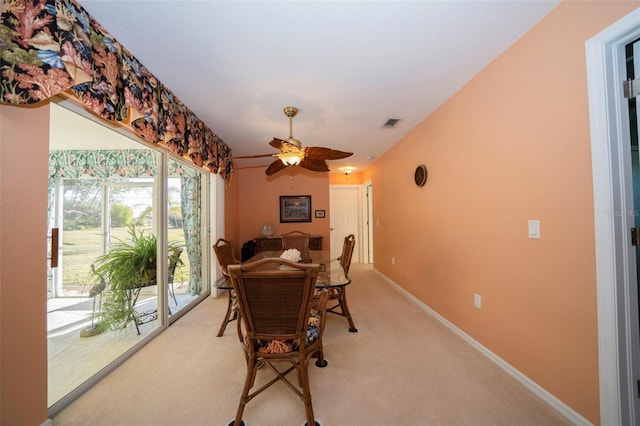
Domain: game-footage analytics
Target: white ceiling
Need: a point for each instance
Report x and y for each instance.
(70, 129)
(347, 65)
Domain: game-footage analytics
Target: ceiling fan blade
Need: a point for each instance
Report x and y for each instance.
(250, 156)
(314, 164)
(274, 167)
(321, 153)
(277, 143)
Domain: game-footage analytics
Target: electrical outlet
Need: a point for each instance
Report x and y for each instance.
(477, 301)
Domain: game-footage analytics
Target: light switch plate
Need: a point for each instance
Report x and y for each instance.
(477, 301)
(534, 229)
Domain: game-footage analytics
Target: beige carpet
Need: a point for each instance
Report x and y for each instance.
(401, 368)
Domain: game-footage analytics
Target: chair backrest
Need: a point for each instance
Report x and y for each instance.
(347, 252)
(275, 297)
(224, 253)
(297, 240)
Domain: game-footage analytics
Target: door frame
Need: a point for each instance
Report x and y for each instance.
(367, 223)
(613, 217)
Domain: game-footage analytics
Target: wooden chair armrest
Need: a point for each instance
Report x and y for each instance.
(320, 302)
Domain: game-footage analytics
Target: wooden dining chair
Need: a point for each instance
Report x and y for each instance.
(225, 256)
(339, 294)
(281, 324)
(297, 240)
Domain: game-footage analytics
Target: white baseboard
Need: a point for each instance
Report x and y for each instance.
(215, 291)
(538, 390)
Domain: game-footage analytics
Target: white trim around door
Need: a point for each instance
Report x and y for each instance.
(613, 201)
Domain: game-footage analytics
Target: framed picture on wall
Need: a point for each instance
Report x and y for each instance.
(320, 214)
(295, 208)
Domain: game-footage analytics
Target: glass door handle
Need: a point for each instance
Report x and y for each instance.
(54, 248)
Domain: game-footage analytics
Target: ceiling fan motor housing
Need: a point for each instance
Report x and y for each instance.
(290, 111)
(295, 144)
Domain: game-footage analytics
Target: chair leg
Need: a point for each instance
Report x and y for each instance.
(341, 299)
(248, 384)
(320, 361)
(228, 318)
(345, 310)
(306, 392)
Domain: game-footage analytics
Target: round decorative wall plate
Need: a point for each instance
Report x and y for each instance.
(420, 176)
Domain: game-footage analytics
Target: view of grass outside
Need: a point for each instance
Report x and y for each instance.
(81, 247)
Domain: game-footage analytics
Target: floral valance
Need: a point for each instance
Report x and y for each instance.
(124, 163)
(52, 46)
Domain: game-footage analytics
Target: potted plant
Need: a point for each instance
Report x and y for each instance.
(127, 268)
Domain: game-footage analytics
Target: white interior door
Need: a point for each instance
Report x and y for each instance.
(344, 213)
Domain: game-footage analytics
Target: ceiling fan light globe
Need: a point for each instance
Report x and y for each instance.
(290, 159)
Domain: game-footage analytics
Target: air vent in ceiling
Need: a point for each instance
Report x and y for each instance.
(391, 123)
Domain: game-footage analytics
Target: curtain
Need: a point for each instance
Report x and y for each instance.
(52, 46)
(191, 198)
(127, 163)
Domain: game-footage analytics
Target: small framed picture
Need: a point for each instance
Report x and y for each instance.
(319, 214)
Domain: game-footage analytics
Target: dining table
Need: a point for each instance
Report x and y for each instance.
(330, 275)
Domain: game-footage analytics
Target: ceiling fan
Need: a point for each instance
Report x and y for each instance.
(292, 153)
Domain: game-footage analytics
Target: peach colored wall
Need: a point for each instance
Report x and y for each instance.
(231, 216)
(259, 201)
(512, 145)
(24, 159)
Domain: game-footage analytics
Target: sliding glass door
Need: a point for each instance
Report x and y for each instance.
(187, 227)
(132, 226)
(81, 232)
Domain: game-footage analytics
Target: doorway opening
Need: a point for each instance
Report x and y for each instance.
(614, 217)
